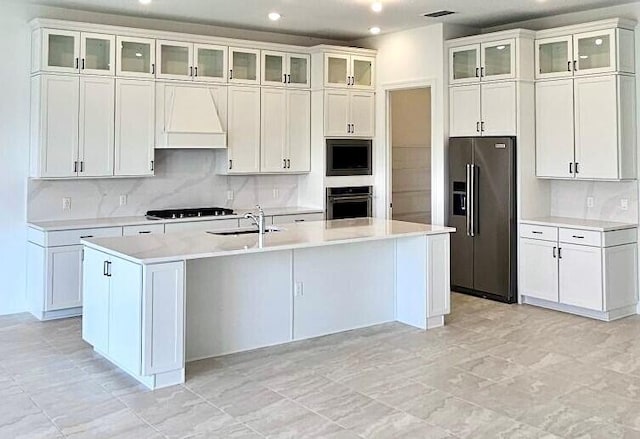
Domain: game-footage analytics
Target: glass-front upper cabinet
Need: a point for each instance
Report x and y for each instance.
(210, 63)
(498, 60)
(135, 57)
(299, 70)
(594, 52)
(274, 68)
(60, 51)
(336, 70)
(554, 57)
(97, 54)
(244, 66)
(362, 70)
(464, 64)
(174, 60)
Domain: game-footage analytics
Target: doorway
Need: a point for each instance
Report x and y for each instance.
(410, 150)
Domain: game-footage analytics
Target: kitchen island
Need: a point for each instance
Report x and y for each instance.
(154, 302)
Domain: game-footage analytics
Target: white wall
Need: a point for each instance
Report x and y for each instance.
(99, 196)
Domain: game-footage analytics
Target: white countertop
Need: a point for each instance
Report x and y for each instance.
(150, 249)
(577, 223)
(96, 223)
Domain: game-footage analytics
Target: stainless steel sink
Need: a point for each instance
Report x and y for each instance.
(237, 232)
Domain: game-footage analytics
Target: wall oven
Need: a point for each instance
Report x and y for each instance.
(349, 157)
(349, 202)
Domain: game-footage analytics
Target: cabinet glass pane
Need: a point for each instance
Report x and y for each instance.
(465, 63)
(97, 56)
(273, 68)
(362, 72)
(61, 51)
(554, 57)
(244, 66)
(497, 60)
(298, 68)
(594, 52)
(175, 60)
(211, 63)
(337, 70)
(135, 57)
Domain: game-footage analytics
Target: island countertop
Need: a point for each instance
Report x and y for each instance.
(152, 249)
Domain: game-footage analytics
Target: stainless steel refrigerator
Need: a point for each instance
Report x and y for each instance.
(482, 188)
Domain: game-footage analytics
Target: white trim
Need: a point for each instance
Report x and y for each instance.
(432, 84)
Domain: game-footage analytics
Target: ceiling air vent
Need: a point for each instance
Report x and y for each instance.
(438, 14)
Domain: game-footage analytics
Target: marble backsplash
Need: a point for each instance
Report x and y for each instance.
(184, 178)
(569, 199)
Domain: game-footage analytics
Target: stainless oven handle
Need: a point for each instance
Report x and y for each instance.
(350, 198)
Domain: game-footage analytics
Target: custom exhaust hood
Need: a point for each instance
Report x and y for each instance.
(191, 116)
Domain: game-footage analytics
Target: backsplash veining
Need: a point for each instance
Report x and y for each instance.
(185, 178)
(569, 199)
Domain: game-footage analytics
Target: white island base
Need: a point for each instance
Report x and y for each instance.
(150, 318)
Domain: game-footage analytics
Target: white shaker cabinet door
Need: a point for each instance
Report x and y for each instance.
(64, 269)
(299, 131)
(336, 113)
(95, 297)
(58, 125)
(135, 122)
(581, 276)
(554, 129)
(244, 130)
(498, 109)
(273, 130)
(362, 114)
(539, 269)
(97, 107)
(596, 125)
(464, 111)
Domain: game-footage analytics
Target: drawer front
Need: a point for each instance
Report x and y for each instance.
(581, 237)
(143, 230)
(73, 237)
(202, 226)
(544, 233)
(287, 219)
(620, 237)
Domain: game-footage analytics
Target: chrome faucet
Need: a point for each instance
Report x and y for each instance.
(258, 220)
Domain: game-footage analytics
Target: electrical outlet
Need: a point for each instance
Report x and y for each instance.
(229, 195)
(123, 200)
(276, 193)
(590, 202)
(624, 204)
(66, 203)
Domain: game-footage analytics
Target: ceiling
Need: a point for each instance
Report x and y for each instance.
(336, 19)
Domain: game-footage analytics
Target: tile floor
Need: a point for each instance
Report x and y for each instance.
(495, 371)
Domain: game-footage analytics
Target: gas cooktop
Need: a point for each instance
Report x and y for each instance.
(188, 213)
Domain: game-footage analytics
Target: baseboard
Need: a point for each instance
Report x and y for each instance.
(58, 314)
(605, 316)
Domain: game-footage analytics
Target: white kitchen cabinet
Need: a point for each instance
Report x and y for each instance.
(175, 59)
(244, 66)
(210, 63)
(554, 128)
(147, 229)
(95, 324)
(464, 64)
(201, 226)
(594, 52)
(300, 218)
(134, 127)
(244, 130)
(586, 272)
(485, 61)
(97, 54)
(64, 277)
(483, 109)
(54, 126)
(349, 113)
(56, 51)
(554, 57)
(285, 69)
(135, 57)
(349, 70)
(96, 128)
(585, 128)
(286, 130)
(539, 269)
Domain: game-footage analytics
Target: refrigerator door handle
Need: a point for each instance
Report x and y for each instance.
(468, 200)
(472, 201)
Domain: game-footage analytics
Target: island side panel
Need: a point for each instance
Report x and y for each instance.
(343, 287)
(238, 303)
(438, 279)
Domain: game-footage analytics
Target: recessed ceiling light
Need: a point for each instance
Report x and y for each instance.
(599, 42)
(376, 6)
(145, 2)
(274, 16)
(375, 30)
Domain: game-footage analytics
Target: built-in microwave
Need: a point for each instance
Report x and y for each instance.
(349, 157)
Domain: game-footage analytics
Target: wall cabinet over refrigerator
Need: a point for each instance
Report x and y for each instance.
(585, 128)
(349, 71)
(349, 113)
(483, 109)
(486, 61)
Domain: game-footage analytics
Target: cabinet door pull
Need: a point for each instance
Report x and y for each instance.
(284, 163)
(230, 164)
(554, 252)
(191, 71)
(105, 268)
(577, 167)
(152, 166)
(82, 63)
(195, 69)
(288, 79)
(577, 237)
(478, 127)
(288, 163)
(109, 268)
(153, 69)
(82, 166)
(535, 232)
(570, 168)
(559, 253)
(284, 78)
(86, 236)
(575, 66)
(568, 66)
(477, 72)
(231, 74)
(144, 232)
(75, 166)
(76, 63)
(482, 127)
(482, 72)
